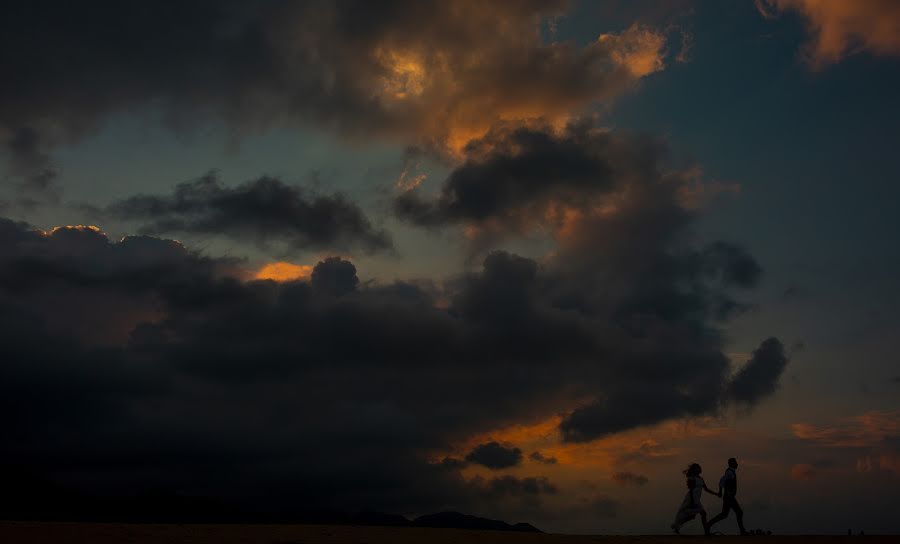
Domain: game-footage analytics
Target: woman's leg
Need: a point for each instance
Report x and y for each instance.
(703, 519)
(682, 517)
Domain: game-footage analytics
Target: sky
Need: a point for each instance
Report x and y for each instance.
(525, 260)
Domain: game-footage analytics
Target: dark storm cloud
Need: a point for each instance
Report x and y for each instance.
(276, 391)
(630, 478)
(627, 408)
(334, 276)
(265, 211)
(649, 402)
(624, 259)
(191, 392)
(421, 71)
(759, 377)
(494, 455)
(86, 287)
(539, 457)
(520, 176)
(511, 169)
(148, 409)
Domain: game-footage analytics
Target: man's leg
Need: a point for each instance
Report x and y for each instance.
(740, 515)
(726, 507)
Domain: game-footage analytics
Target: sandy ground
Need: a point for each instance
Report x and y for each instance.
(101, 533)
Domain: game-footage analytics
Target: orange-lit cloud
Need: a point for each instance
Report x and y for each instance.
(638, 49)
(405, 74)
(839, 28)
(634, 447)
(432, 74)
(283, 271)
(565, 221)
(866, 430)
(448, 93)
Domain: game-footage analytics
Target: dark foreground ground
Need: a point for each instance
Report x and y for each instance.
(102, 533)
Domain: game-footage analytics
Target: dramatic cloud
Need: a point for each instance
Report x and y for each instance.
(494, 455)
(436, 72)
(759, 377)
(141, 365)
(622, 259)
(265, 211)
(514, 171)
(839, 28)
(168, 369)
(630, 478)
(83, 286)
(525, 175)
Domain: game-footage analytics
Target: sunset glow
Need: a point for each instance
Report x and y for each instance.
(283, 271)
(557, 265)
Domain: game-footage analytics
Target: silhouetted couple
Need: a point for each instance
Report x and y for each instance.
(691, 505)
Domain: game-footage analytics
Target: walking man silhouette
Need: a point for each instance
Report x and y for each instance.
(728, 491)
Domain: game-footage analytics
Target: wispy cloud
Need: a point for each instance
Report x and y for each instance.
(870, 429)
(840, 28)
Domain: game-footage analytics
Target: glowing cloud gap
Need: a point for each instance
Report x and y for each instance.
(283, 271)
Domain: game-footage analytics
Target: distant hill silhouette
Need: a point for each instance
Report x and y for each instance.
(456, 520)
